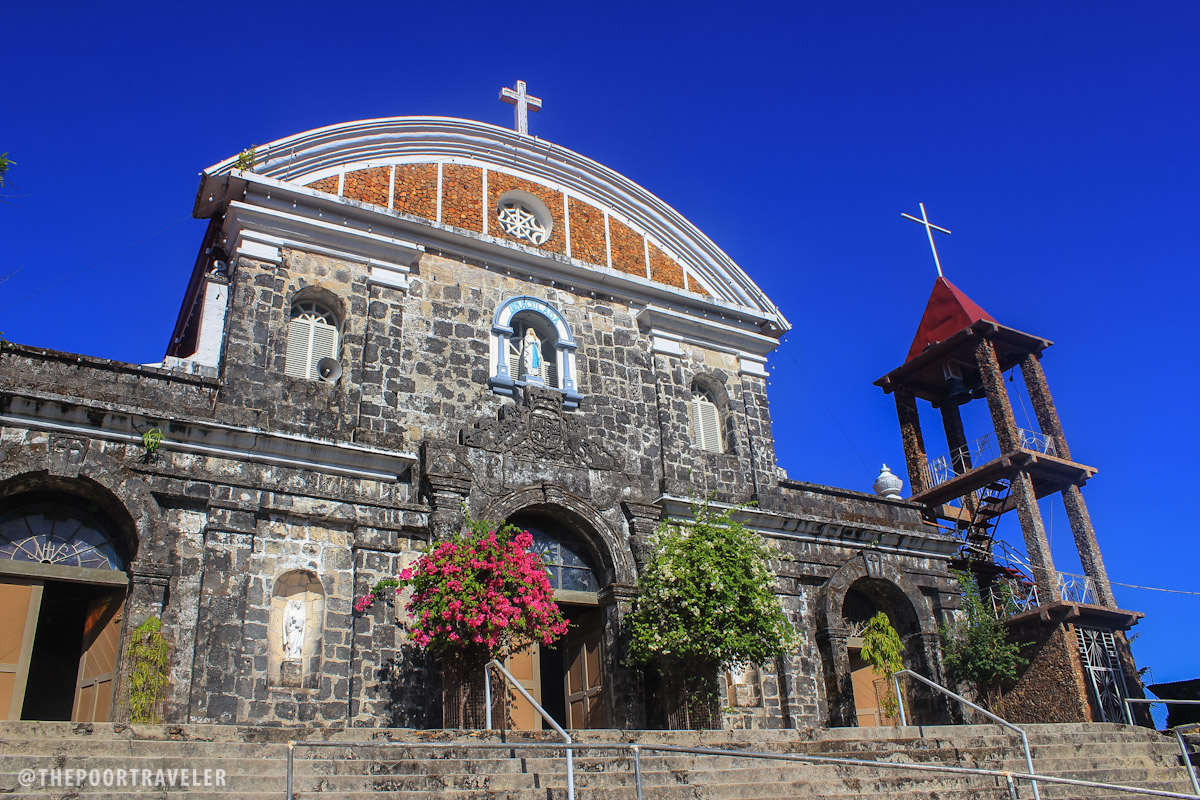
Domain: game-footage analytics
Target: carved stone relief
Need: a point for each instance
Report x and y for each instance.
(537, 428)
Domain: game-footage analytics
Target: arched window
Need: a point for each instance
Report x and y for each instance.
(565, 562)
(54, 533)
(706, 421)
(312, 335)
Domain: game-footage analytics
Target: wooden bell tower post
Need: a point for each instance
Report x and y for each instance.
(958, 356)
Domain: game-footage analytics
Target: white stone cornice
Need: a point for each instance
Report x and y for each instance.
(256, 225)
(210, 439)
(666, 325)
(377, 142)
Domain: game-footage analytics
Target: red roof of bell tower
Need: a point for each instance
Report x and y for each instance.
(947, 312)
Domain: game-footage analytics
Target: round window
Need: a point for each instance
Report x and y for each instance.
(523, 216)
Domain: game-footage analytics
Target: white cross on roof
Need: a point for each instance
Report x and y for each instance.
(929, 229)
(522, 102)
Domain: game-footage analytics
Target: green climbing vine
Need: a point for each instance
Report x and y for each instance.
(146, 664)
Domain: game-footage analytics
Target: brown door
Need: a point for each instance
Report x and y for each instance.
(584, 683)
(18, 624)
(98, 663)
(526, 668)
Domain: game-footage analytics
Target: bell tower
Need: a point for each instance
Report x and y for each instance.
(959, 355)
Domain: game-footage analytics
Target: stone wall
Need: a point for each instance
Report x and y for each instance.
(235, 536)
(1051, 687)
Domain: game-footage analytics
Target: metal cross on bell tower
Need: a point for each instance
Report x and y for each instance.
(523, 103)
(929, 229)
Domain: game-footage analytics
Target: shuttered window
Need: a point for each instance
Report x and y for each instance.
(312, 335)
(706, 423)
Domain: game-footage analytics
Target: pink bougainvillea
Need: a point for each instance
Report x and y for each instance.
(479, 590)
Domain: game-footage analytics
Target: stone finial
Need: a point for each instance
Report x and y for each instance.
(887, 484)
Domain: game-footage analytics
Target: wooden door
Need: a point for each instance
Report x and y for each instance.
(526, 668)
(18, 624)
(98, 662)
(584, 681)
(870, 690)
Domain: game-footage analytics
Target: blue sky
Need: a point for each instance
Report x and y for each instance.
(1057, 141)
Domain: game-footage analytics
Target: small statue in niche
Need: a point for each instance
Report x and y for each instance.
(293, 629)
(531, 356)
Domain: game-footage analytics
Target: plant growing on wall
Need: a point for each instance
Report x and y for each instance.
(246, 158)
(151, 440)
(883, 650)
(976, 649)
(706, 602)
(146, 662)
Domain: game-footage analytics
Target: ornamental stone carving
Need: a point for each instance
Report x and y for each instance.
(537, 428)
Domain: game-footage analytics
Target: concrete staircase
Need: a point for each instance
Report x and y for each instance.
(363, 766)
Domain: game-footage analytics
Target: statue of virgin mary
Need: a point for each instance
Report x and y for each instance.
(531, 356)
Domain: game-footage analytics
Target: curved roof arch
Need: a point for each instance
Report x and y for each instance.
(305, 157)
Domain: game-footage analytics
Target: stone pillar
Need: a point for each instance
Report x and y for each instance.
(446, 500)
(910, 432)
(448, 484)
(924, 706)
(1036, 543)
(1003, 421)
(839, 685)
(220, 661)
(1077, 513)
(624, 684)
(643, 521)
(148, 590)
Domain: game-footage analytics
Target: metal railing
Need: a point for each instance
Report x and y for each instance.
(1192, 728)
(999, 721)
(1020, 596)
(980, 451)
(487, 699)
(1008, 778)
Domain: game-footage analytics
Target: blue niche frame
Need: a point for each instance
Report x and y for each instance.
(502, 381)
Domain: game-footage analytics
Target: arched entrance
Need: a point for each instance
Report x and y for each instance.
(62, 587)
(863, 585)
(865, 598)
(567, 678)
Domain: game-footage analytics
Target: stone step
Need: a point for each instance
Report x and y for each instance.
(363, 765)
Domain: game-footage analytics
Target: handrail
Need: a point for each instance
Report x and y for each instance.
(487, 699)
(1187, 758)
(1024, 739)
(1009, 777)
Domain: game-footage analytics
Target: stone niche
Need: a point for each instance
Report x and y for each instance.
(294, 635)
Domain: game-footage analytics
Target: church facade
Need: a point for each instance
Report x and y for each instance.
(391, 322)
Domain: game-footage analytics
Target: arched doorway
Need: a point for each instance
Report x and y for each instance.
(863, 585)
(567, 678)
(63, 587)
(865, 598)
